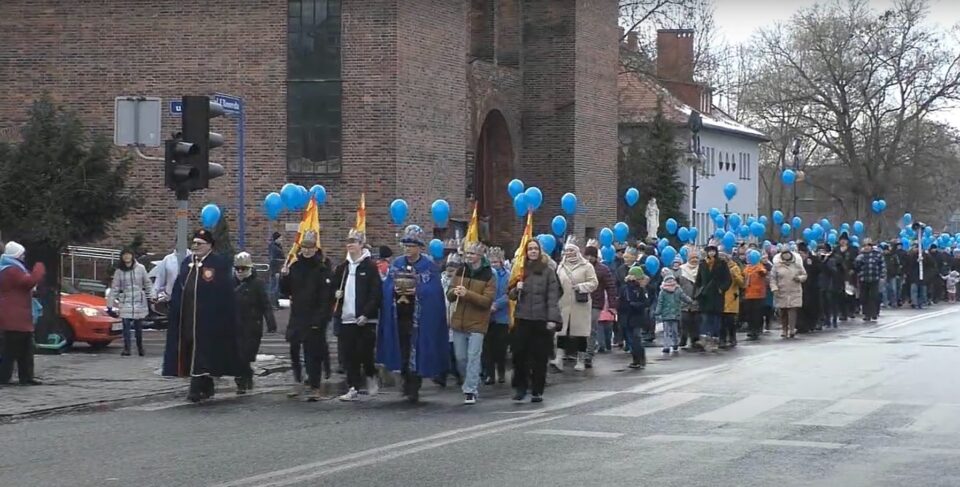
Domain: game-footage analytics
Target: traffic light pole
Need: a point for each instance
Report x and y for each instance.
(182, 214)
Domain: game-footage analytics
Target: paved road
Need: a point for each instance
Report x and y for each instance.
(865, 406)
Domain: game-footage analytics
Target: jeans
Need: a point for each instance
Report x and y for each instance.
(891, 292)
(273, 291)
(468, 348)
(671, 333)
(918, 295)
(594, 341)
(633, 330)
(137, 327)
(689, 327)
(710, 324)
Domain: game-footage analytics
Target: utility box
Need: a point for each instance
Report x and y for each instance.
(136, 121)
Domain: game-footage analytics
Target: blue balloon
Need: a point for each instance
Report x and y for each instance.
(303, 198)
(744, 231)
(735, 221)
(684, 253)
(858, 227)
(875, 206)
(720, 221)
(671, 226)
(608, 253)
(905, 243)
(845, 228)
(667, 255)
(797, 222)
(789, 177)
(662, 244)
(319, 193)
(399, 211)
(718, 233)
(683, 234)
(436, 248)
(832, 239)
(825, 224)
(520, 205)
(907, 219)
(817, 231)
(730, 190)
(289, 194)
(534, 197)
(440, 210)
(758, 229)
(651, 265)
(778, 217)
(273, 205)
(753, 256)
(559, 225)
(807, 234)
(693, 234)
(548, 243)
(569, 203)
(714, 213)
(729, 241)
(621, 231)
(750, 220)
(928, 231)
(763, 220)
(606, 237)
(766, 244)
(515, 187)
(883, 205)
(785, 229)
(632, 197)
(210, 216)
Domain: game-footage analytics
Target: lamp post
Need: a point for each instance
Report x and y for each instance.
(695, 123)
(797, 170)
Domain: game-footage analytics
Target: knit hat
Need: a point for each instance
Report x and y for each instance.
(276, 235)
(385, 252)
(591, 251)
(413, 234)
(666, 274)
(636, 271)
(14, 250)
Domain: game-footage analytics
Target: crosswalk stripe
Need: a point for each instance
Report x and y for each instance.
(744, 409)
(576, 433)
(939, 418)
(843, 413)
(650, 405)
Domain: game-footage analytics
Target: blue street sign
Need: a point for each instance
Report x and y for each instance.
(232, 105)
(176, 107)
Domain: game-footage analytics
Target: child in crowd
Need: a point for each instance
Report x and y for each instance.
(952, 279)
(633, 305)
(668, 310)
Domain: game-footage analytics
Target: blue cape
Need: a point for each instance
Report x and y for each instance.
(430, 350)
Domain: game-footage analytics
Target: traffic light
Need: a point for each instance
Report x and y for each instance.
(197, 112)
(179, 172)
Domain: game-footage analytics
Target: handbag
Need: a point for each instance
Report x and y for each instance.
(577, 295)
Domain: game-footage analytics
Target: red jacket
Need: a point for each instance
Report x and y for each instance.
(16, 307)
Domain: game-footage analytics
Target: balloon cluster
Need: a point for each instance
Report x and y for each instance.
(524, 200)
(292, 197)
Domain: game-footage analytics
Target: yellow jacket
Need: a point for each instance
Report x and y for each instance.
(731, 300)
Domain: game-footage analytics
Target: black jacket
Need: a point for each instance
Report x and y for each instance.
(253, 308)
(368, 289)
(309, 286)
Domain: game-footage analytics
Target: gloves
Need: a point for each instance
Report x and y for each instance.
(338, 294)
(362, 320)
(553, 326)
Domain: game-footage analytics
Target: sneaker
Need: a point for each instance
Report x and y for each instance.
(469, 398)
(536, 398)
(351, 396)
(580, 366)
(519, 396)
(635, 365)
(666, 350)
(313, 395)
(558, 364)
(373, 386)
(676, 350)
(296, 392)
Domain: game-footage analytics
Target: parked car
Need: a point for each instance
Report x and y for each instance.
(84, 318)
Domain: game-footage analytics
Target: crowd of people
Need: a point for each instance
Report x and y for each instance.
(467, 317)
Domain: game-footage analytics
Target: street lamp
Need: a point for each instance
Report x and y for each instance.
(695, 123)
(796, 169)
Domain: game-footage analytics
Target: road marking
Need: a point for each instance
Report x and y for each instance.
(909, 320)
(807, 444)
(410, 451)
(843, 413)
(650, 405)
(744, 409)
(917, 449)
(937, 419)
(695, 439)
(176, 403)
(576, 433)
(566, 401)
(433, 441)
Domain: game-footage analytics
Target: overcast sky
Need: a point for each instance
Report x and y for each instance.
(737, 20)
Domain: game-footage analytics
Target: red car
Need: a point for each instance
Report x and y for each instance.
(86, 320)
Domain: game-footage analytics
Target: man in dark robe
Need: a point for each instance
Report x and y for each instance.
(202, 331)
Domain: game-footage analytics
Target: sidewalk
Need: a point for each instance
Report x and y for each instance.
(83, 380)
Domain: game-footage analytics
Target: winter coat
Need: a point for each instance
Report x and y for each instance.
(786, 282)
(253, 308)
(870, 266)
(16, 288)
(606, 288)
(668, 304)
(913, 268)
(688, 286)
(309, 285)
(540, 298)
(277, 257)
(755, 277)
(731, 299)
(581, 277)
(847, 259)
(634, 303)
(470, 313)
(501, 309)
(894, 264)
(367, 291)
(831, 274)
(712, 283)
(130, 290)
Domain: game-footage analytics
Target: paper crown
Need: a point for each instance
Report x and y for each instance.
(474, 248)
(495, 253)
(413, 234)
(593, 243)
(356, 235)
(308, 239)
(572, 240)
(454, 260)
(243, 259)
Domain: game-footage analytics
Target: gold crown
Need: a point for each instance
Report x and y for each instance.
(356, 235)
(474, 248)
(593, 243)
(495, 253)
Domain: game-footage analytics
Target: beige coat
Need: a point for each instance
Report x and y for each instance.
(580, 277)
(786, 282)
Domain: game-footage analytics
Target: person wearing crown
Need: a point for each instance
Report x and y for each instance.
(471, 294)
(413, 336)
(202, 330)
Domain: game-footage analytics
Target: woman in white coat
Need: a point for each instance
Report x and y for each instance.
(577, 279)
(129, 294)
(786, 282)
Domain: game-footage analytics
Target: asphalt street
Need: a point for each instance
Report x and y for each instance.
(867, 405)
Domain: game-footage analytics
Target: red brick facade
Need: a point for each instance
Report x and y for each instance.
(420, 79)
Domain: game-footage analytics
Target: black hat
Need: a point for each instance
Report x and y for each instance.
(276, 235)
(826, 246)
(385, 252)
(204, 235)
(844, 236)
(802, 247)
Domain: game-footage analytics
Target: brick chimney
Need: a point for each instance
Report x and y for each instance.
(633, 43)
(675, 55)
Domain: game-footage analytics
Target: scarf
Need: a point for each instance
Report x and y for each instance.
(689, 272)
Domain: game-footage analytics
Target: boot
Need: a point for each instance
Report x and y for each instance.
(140, 342)
(125, 352)
(241, 385)
(297, 391)
(581, 357)
(313, 395)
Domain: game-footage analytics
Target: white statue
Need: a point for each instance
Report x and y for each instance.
(653, 218)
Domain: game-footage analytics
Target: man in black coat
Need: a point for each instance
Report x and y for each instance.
(253, 308)
(357, 309)
(202, 331)
(308, 283)
(810, 313)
